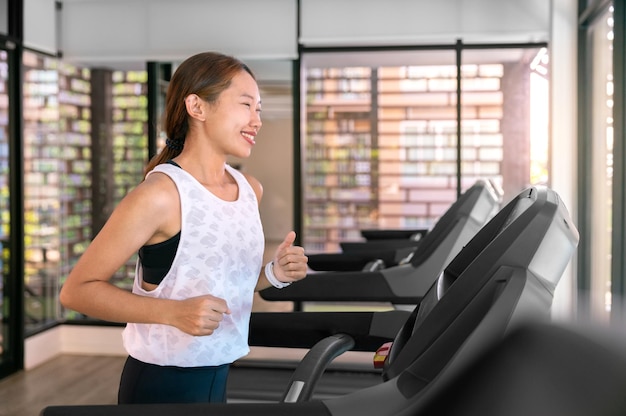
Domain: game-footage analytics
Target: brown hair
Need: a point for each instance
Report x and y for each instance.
(206, 74)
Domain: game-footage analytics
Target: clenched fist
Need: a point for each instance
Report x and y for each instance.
(200, 315)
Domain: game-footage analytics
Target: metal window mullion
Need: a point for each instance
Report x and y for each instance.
(618, 243)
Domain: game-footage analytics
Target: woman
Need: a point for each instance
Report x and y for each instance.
(194, 221)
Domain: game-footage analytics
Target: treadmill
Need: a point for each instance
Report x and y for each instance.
(388, 247)
(407, 282)
(503, 278)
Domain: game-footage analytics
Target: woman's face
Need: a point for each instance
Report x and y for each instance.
(234, 120)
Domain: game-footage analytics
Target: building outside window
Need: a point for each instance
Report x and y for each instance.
(59, 174)
(380, 135)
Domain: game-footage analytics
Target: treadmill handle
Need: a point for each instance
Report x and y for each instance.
(310, 369)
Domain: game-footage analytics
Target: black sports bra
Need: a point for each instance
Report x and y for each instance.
(156, 259)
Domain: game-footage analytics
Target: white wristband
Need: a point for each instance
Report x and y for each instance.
(269, 274)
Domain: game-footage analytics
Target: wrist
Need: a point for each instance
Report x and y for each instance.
(271, 277)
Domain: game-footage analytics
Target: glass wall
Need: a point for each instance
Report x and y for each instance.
(380, 139)
(416, 151)
(505, 107)
(57, 179)
(59, 147)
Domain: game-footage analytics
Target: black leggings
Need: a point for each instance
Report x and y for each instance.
(149, 383)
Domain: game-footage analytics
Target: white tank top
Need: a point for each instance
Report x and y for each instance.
(220, 253)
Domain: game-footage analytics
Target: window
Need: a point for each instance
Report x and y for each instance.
(57, 180)
(381, 146)
(59, 172)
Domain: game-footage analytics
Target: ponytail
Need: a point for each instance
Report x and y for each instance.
(169, 152)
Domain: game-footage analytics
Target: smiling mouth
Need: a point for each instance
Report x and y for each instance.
(249, 137)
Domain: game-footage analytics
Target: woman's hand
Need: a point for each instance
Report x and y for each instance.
(290, 263)
(199, 315)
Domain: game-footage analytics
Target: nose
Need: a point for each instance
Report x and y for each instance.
(256, 120)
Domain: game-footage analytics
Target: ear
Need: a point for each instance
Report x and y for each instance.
(195, 106)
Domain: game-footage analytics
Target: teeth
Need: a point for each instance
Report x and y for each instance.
(249, 136)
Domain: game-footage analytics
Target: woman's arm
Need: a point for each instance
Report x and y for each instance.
(149, 213)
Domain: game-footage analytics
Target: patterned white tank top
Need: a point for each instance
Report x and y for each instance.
(220, 253)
